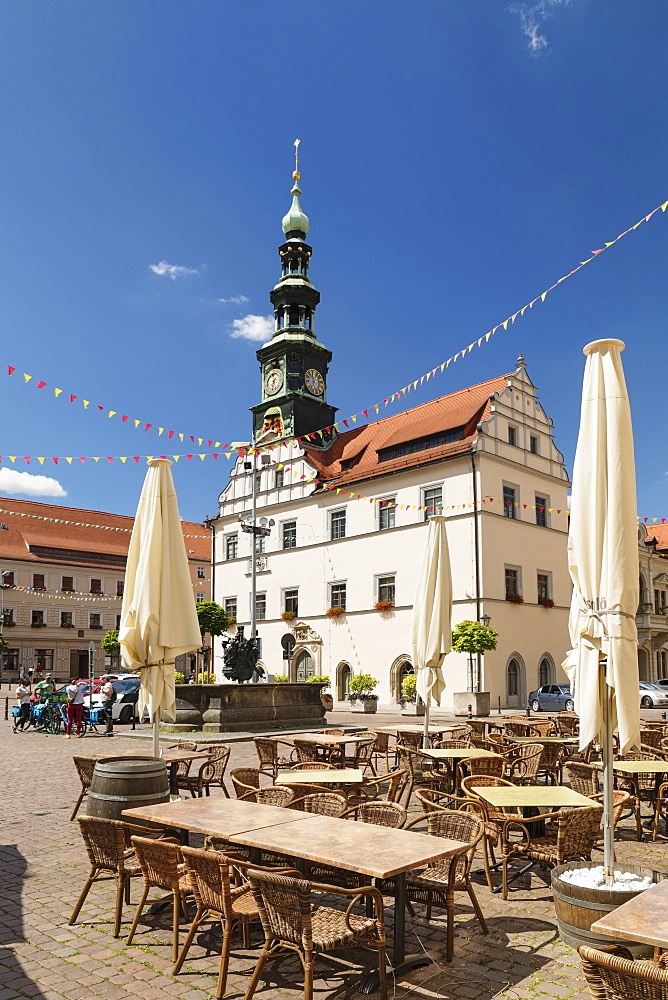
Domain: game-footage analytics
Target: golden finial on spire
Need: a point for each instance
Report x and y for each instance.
(295, 174)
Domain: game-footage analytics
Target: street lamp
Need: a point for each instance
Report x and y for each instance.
(4, 573)
(257, 528)
(485, 620)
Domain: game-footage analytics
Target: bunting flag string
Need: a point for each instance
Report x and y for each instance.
(344, 424)
(68, 595)
(78, 524)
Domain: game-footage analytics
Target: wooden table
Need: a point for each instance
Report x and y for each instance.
(565, 740)
(216, 817)
(641, 766)
(410, 727)
(172, 756)
(458, 753)
(526, 796)
(323, 776)
(643, 919)
(322, 739)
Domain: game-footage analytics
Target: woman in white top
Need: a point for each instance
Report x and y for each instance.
(23, 696)
(75, 707)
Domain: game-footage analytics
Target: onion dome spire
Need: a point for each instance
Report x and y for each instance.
(296, 221)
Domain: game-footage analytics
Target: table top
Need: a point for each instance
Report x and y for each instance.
(641, 766)
(217, 817)
(322, 776)
(531, 795)
(644, 918)
(376, 851)
(460, 753)
(169, 755)
(323, 739)
(566, 740)
(408, 727)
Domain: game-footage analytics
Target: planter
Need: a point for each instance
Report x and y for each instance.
(327, 702)
(478, 700)
(577, 908)
(368, 705)
(412, 708)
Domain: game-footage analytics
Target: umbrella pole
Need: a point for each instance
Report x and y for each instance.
(156, 739)
(608, 847)
(425, 732)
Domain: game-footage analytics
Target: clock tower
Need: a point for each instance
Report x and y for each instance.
(293, 364)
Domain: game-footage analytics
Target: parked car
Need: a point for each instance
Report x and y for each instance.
(551, 697)
(663, 682)
(653, 695)
(127, 695)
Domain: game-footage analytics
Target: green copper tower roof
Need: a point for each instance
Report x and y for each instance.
(296, 220)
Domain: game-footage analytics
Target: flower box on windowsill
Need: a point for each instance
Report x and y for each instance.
(67, 590)
(335, 612)
(547, 604)
(289, 616)
(38, 625)
(66, 625)
(7, 625)
(515, 598)
(95, 627)
(384, 605)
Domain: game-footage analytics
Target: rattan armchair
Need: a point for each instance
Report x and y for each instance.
(381, 750)
(610, 977)
(245, 780)
(332, 803)
(308, 752)
(362, 754)
(162, 867)
(211, 772)
(269, 759)
(421, 768)
(513, 728)
(493, 766)
(272, 795)
(570, 835)
(292, 922)
(85, 767)
(308, 765)
(584, 778)
(552, 762)
(463, 732)
(109, 859)
(379, 812)
(395, 786)
(642, 787)
(494, 818)
(523, 763)
(660, 808)
(436, 884)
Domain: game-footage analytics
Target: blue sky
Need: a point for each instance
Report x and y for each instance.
(458, 156)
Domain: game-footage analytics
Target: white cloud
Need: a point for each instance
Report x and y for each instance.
(253, 327)
(172, 271)
(532, 17)
(237, 300)
(12, 481)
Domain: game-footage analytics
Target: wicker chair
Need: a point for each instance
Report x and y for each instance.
(661, 808)
(211, 772)
(409, 739)
(494, 746)
(552, 762)
(620, 802)
(583, 777)
(520, 729)
(642, 787)
(478, 727)
(331, 804)
(523, 764)
(362, 754)
(291, 921)
(570, 835)
(436, 884)
(567, 723)
(162, 868)
(543, 728)
(269, 759)
(245, 779)
(435, 800)
(395, 786)
(109, 858)
(421, 773)
(308, 765)
(651, 737)
(493, 766)
(494, 818)
(379, 813)
(381, 750)
(85, 767)
(463, 732)
(217, 899)
(272, 795)
(332, 732)
(611, 976)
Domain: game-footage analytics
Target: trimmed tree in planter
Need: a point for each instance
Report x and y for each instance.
(473, 638)
(360, 693)
(409, 700)
(325, 697)
(213, 620)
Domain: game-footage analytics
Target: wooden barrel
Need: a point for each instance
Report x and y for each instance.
(578, 907)
(126, 783)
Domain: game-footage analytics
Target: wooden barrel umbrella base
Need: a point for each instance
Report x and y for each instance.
(121, 783)
(578, 907)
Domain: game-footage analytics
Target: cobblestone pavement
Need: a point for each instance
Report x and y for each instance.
(44, 865)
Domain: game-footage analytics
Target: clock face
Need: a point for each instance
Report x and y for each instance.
(273, 381)
(314, 382)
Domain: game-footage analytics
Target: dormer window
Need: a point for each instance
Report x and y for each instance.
(512, 436)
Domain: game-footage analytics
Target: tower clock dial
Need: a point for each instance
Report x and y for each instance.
(314, 382)
(273, 381)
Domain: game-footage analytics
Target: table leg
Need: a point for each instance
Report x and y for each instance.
(173, 780)
(400, 963)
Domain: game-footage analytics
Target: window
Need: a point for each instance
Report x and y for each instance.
(291, 601)
(120, 588)
(67, 583)
(432, 500)
(230, 606)
(386, 514)
(513, 679)
(37, 617)
(118, 621)
(337, 595)
(66, 619)
(543, 587)
(337, 524)
(544, 672)
(509, 501)
(258, 481)
(44, 660)
(201, 573)
(421, 444)
(541, 511)
(260, 543)
(279, 478)
(96, 586)
(386, 588)
(8, 616)
(659, 601)
(512, 582)
(290, 535)
(38, 581)
(512, 436)
(533, 445)
(260, 607)
(231, 545)
(94, 619)
(200, 596)
(8, 578)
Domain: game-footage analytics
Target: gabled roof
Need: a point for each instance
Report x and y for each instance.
(30, 523)
(658, 532)
(353, 456)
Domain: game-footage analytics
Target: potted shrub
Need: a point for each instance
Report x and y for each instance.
(335, 612)
(325, 697)
(475, 639)
(288, 616)
(409, 698)
(384, 605)
(281, 679)
(360, 693)
(646, 608)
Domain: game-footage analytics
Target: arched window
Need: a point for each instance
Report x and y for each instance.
(545, 671)
(643, 665)
(304, 667)
(513, 679)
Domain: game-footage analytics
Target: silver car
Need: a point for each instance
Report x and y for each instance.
(653, 695)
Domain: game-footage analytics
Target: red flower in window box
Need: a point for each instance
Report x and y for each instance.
(548, 603)
(515, 598)
(288, 616)
(384, 605)
(335, 611)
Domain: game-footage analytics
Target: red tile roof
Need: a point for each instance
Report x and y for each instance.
(463, 409)
(660, 533)
(30, 523)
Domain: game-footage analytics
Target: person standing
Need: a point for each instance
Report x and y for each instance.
(75, 707)
(23, 695)
(45, 689)
(108, 699)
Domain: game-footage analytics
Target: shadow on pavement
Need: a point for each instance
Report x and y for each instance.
(14, 867)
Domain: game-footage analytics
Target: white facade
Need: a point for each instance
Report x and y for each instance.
(376, 554)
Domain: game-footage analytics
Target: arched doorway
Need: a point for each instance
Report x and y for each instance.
(515, 688)
(304, 667)
(545, 670)
(343, 677)
(405, 670)
(401, 667)
(643, 665)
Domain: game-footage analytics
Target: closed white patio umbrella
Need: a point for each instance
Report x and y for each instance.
(603, 562)
(431, 628)
(158, 616)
